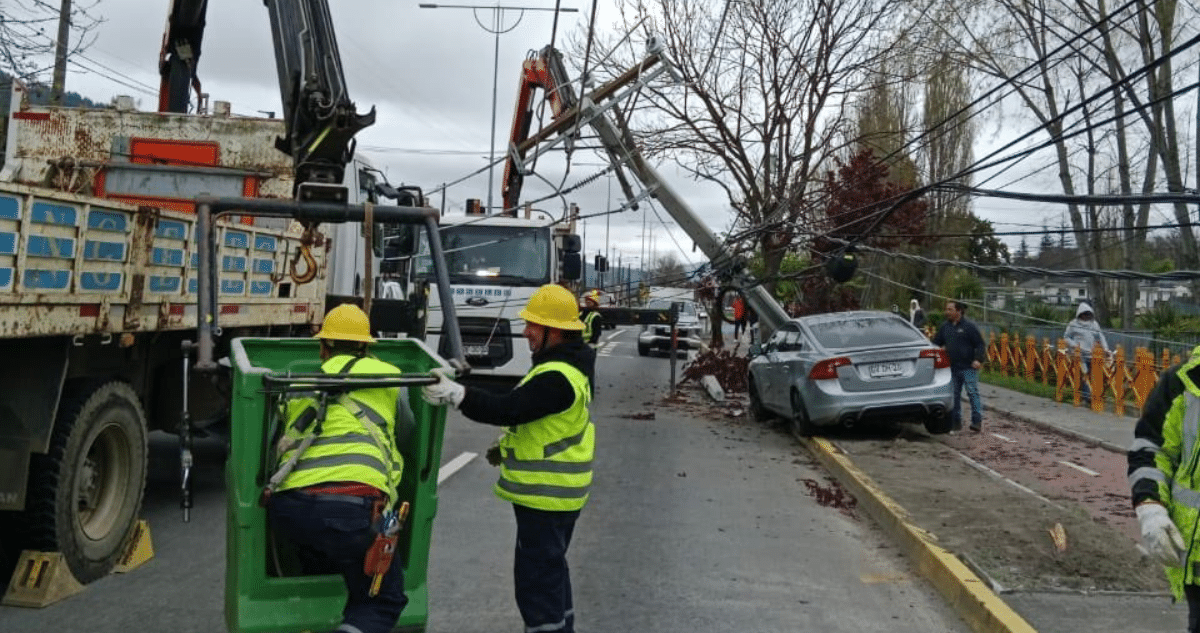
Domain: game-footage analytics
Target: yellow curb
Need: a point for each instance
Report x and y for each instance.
(969, 596)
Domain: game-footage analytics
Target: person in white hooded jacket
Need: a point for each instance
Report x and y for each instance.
(1083, 332)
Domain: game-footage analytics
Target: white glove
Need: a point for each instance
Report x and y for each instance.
(444, 391)
(1160, 537)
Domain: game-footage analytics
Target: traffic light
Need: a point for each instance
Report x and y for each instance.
(601, 264)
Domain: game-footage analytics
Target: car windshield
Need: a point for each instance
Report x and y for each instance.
(686, 308)
(864, 331)
(504, 255)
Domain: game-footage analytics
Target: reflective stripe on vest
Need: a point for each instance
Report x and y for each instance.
(355, 442)
(588, 326)
(1181, 490)
(546, 464)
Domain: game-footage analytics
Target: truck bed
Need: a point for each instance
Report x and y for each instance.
(78, 265)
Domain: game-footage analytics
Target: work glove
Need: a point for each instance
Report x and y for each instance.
(444, 391)
(1160, 537)
(493, 455)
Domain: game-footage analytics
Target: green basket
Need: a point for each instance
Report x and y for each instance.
(261, 595)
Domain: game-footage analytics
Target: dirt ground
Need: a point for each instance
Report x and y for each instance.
(1002, 519)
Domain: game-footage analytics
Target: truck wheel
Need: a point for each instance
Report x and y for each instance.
(85, 495)
(643, 349)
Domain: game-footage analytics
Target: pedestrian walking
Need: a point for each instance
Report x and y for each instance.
(967, 351)
(1082, 333)
(1165, 489)
(545, 455)
(338, 476)
(739, 316)
(916, 315)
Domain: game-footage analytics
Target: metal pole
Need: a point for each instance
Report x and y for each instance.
(59, 80)
(495, 76)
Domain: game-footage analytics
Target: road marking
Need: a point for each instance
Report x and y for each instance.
(1081, 469)
(1006, 439)
(992, 473)
(454, 465)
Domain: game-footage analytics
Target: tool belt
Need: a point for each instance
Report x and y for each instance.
(378, 559)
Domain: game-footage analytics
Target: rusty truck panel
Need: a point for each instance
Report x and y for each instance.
(144, 156)
(77, 265)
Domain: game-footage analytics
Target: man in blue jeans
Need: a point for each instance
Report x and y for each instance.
(965, 347)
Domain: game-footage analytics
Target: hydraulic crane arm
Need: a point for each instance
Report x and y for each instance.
(545, 70)
(180, 54)
(321, 119)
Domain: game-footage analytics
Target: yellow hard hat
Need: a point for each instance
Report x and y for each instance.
(593, 296)
(346, 322)
(553, 306)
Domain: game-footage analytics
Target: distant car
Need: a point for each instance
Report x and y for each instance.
(848, 368)
(689, 328)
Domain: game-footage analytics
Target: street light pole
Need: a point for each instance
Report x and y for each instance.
(496, 29)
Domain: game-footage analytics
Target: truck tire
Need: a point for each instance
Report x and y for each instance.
(85, 495)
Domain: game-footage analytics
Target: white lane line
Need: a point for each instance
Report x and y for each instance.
(1006, 439)
(1081, 469)
(998, 476)
(454, 465)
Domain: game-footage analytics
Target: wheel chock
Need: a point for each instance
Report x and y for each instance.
(139, 550)
(40, 579)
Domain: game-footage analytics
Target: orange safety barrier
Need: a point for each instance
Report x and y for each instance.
(1127, 383)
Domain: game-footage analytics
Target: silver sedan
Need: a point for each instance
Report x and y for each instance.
(847, 368)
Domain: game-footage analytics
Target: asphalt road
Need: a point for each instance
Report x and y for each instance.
(695, 525)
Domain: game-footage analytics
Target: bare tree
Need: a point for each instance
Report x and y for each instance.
(765, 105)
(667, 270)
(1068, 63)
(30, 35)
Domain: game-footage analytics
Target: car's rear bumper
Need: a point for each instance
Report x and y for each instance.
(849, 409)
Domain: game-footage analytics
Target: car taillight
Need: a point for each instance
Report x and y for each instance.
(827, 369)
(940, 359)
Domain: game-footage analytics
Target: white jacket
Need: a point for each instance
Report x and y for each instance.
(1084, 334)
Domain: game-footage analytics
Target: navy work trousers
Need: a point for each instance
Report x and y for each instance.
(541, 578)
(336, 534)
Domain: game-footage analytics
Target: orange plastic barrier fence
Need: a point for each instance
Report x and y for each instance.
(1114, 378)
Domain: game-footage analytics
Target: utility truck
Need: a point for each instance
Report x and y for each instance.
(107, 274)
(495, 263)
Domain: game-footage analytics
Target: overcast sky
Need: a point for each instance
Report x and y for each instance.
(429, 74)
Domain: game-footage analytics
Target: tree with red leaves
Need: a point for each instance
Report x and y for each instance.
(863, 205)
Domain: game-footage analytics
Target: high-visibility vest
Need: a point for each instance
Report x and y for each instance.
(589, 326)
(546, 464)
(1177, 475)
(356, 442)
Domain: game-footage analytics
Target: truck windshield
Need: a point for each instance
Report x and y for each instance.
(483, 255)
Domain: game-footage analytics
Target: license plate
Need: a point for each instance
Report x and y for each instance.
(475, 350)
(883, 370)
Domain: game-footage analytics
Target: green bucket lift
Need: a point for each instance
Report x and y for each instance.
(264, 590)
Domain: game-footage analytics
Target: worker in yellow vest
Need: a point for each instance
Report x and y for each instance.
(339, 474)
(593, 323)
(545, 454)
